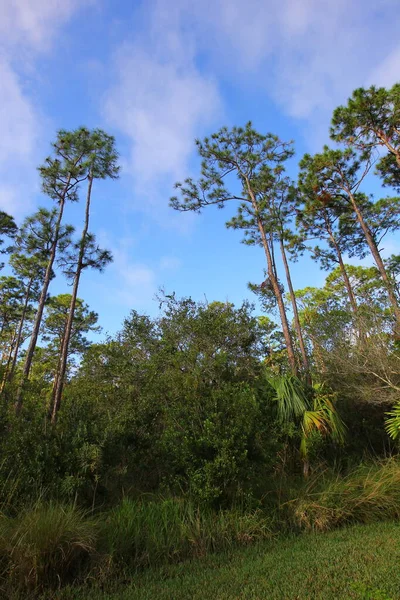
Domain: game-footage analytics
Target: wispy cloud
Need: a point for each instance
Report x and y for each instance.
(27, 29)
(135, 281)
(34, 24)
(160, 100)
(307, 55)
(388, 71)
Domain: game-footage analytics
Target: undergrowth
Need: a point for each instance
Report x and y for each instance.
(48, 545)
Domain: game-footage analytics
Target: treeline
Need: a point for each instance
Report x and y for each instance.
(43, 242)
(209, 399)
(327, 203)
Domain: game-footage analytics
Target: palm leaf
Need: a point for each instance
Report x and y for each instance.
(392, 424)
(291, 397)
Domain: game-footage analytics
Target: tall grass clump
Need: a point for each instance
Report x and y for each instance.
(45, 545)
(367, 494)
(142, 533)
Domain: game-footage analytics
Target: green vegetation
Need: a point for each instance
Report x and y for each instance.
(359, 563)
(209, 426)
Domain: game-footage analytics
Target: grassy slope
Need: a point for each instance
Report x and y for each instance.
(359, 562)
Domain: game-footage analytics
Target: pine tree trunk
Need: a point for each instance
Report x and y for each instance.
(9, 358)
(378, 260)
(344, 273)
(318, 357)
(297, 325)
(42, 302)
(19, 333)
(66, 341)
(275, 285)
(3, 324)
(57, 371)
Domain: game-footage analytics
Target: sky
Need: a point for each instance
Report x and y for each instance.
(156, 75)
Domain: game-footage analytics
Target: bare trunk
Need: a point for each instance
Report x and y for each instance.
(347, 284)
(318, 357)
(275, 285)
(66, 341)
(273, 257)
(9, 359)
(42, 301)
(379, 262)
(19, 333)
(57, 371)
(297, 325)
(343, 271)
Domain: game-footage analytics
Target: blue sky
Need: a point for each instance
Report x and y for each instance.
(156, 75)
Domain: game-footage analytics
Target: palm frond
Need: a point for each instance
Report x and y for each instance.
(392, 424)
(291, 397)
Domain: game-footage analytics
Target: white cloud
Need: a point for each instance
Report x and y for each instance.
(310, 54)
(160, 100)
(159, 106)
(307, 55)
(26, 28)
(34, 23)
(18, 120)
(388, 71)
(134, 284)
(19, 133)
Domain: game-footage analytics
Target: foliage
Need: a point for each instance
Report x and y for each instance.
(366, 494)
(369, 121)
(257, 162)
(310, 411)
(153, 532)
(309, 566)
(185, 432)
(45, 544)
(393, 422)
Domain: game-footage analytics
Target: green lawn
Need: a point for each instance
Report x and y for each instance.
(360, 562)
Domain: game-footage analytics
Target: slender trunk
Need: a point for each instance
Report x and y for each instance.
(273, 256)
(3, 324)
(19, 333)
(281, 305)
(297, 325)
(9, 358)
(57, 371)
(344, 273)
(275, 285)
(378, 260)
(42, 301)
(65, 345)
(3, 329)
(318, 357)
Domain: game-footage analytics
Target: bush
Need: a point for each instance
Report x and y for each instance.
(45, 545)
(148, 533)
(367, 494)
